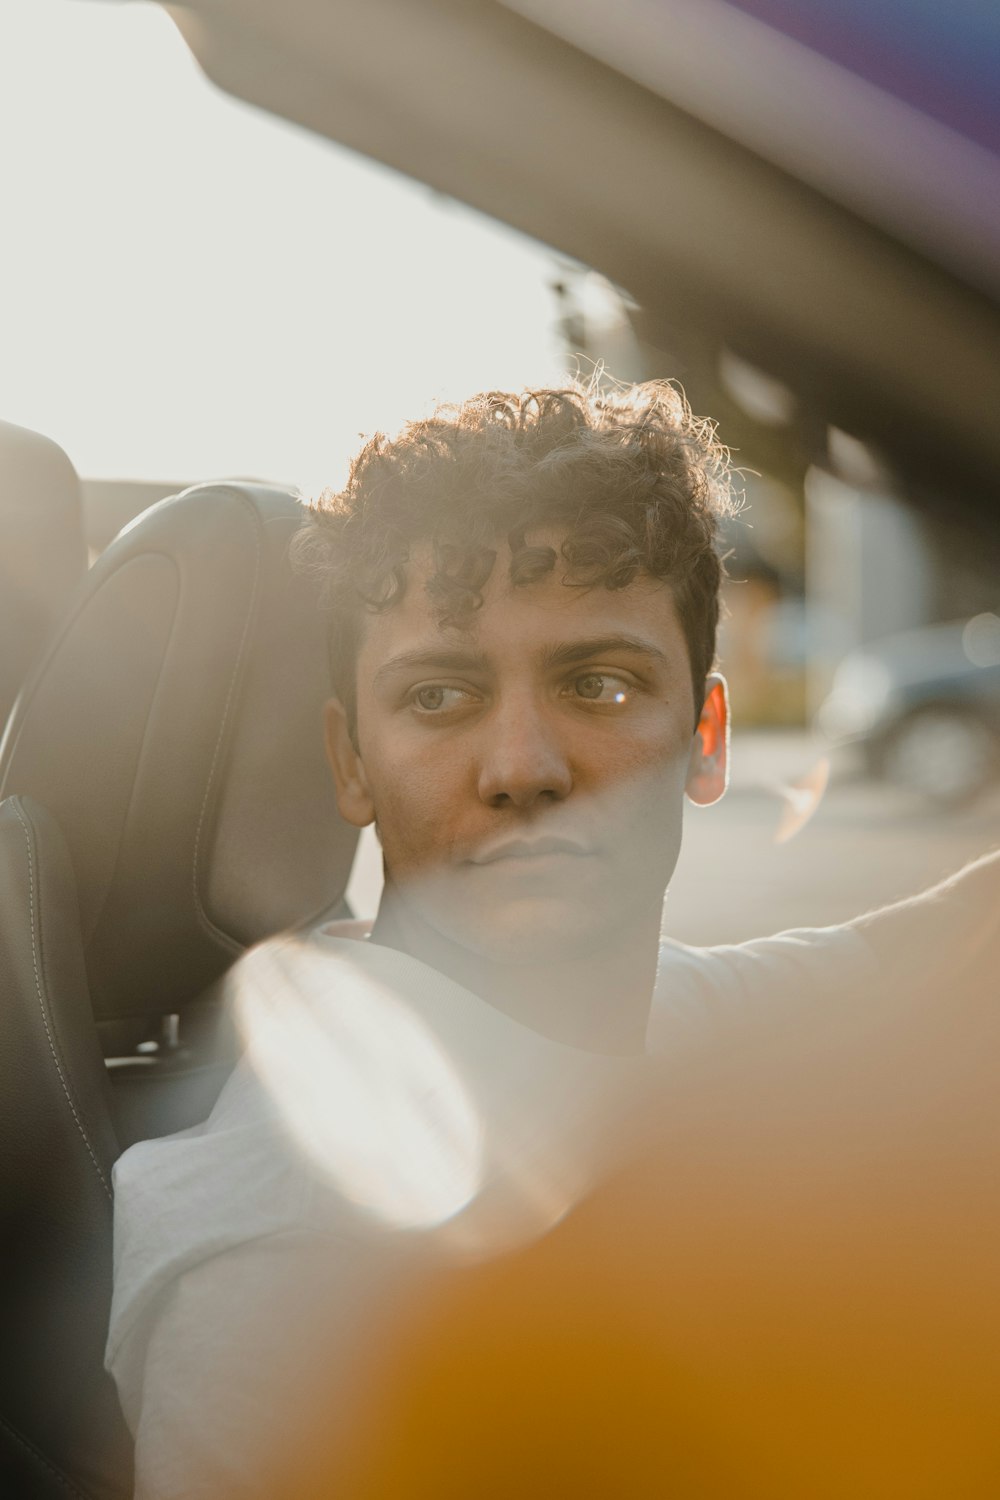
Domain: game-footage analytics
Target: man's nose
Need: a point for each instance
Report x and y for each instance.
(524, 761)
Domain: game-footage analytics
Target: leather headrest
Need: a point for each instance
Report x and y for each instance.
(174, 729)
(42, 551)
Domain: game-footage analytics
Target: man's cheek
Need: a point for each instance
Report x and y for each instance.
(410, 833)
(648, 784)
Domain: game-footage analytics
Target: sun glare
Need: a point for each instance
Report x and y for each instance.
(365, 1090)
(195, 288)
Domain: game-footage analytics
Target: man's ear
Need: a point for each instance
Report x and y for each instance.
(353, 797)
(708, 768)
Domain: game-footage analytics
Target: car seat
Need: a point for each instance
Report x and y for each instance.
(166, 804)
(42, 551)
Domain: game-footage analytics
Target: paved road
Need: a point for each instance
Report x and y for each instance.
(865, 845)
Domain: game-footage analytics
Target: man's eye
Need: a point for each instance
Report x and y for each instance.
(601, 687)
(435, 698)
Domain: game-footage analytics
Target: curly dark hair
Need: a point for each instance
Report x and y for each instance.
(632, 480)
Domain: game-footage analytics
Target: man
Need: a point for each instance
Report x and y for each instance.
(524, 599)
(523, 720)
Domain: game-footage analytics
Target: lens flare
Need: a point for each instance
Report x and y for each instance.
(801, 799)
(362, 1085)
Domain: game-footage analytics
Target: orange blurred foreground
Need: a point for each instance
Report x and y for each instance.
(790, 1290)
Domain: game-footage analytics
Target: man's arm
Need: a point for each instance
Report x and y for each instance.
(948, 936)
(229, 1364)
(943, 943)
(208, 1404)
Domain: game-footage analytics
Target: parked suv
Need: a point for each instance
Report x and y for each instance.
(925, 707)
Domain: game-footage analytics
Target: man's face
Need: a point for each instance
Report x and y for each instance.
(526, 775)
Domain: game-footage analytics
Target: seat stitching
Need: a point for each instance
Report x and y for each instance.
(35, 943)
(36, 1453)
(223, 723)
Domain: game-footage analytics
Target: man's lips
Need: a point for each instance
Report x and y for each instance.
(529, 848)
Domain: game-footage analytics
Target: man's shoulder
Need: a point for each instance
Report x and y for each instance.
(711, 986)
(803, 951)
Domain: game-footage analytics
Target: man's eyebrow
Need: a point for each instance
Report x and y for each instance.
(433, 659)
(603, 645)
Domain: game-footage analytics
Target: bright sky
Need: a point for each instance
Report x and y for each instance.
(190, 288)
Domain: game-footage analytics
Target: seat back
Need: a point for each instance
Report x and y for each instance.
(167, 805)
(61, 1432)
(42, 550)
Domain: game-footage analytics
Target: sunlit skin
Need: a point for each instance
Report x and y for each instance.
(526, 776)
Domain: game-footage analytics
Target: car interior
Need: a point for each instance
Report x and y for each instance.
(164, 800)
(164, 750)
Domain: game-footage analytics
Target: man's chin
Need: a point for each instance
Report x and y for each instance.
(518, 918)
(531, 932)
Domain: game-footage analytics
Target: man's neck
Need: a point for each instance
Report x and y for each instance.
(599, 1001)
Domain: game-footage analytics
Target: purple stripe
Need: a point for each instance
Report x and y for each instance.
(944, 59)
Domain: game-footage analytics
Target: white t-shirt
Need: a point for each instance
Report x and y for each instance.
(380, 1113)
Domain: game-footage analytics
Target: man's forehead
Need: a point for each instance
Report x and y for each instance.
(528, 617)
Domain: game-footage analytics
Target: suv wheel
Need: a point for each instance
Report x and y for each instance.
(943, 754)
